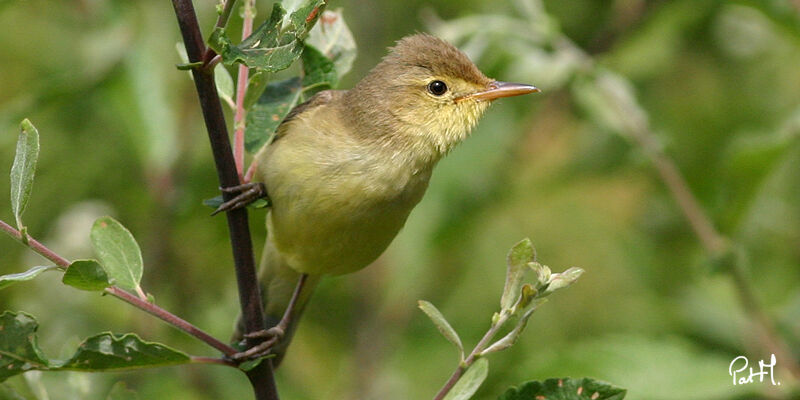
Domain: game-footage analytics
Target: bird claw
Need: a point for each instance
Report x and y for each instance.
(247, 194)
(270, 337)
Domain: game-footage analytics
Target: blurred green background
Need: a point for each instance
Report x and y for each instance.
(715, 83)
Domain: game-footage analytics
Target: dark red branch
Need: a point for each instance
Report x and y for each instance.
(260, 377)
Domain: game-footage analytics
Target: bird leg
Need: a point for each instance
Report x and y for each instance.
(246, 194)
(273, 335)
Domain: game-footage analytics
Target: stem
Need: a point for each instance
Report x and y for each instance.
(35, 246)
(212, 360)
(171, 319)
(262, 377)
(241, 91)
(462, 367)
(115, 291)
(222, 20)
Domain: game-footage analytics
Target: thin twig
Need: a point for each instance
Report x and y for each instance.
(171, 319)
(262, 377)
(212, 360)
(117, 292)
(36, 246)
(222, 20)
(241, 91)
(473, 355)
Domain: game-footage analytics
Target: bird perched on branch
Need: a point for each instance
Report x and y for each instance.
(346, 168)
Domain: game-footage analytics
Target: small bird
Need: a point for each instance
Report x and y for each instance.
(346, 168)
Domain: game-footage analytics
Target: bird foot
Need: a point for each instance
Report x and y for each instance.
(270, 337)
(246, 194)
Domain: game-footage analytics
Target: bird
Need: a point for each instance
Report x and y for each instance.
(345, 169)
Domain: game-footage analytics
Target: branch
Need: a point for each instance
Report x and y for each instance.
(222, 20)
(171, 319)
(463, 366)
(261, 377)
(241, 91)
(115, 291)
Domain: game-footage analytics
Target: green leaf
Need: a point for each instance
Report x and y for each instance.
(120, 391)
(18, 349)
(470, 381)
(20, 353)
(275, 44)
(23, 169)
(10, 279)
(269, 111)
(110, 352)
(517, 263)
(224, 83)
(319, 72)
(86, 275)
(564, 279)
(542, 272)
(333, 38)
(250, 364)
(118, 252)
(565, 389)
(255, 87)
(442, 325)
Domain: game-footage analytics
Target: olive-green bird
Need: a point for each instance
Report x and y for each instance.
(346, 167)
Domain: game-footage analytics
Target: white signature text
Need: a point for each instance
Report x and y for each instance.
(739, 364)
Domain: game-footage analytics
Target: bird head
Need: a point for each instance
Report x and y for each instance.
(427, 94)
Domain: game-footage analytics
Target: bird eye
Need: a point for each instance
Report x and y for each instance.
(437, 88)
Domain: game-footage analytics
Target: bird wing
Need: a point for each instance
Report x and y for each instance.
(320, 99)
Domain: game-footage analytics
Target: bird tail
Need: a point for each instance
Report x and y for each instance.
(277, 282)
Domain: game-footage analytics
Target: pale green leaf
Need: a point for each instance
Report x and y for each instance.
(517, 263)
(118, 252)
(10, 279)
(224, 82)
(564, 279)
(23, 169)
(470, 381)
(333, 38)
(442, 325)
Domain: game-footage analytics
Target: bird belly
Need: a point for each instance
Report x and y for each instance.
(342, 222)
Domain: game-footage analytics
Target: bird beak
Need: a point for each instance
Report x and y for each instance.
(496, 90)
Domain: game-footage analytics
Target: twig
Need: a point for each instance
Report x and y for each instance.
(212, 360)
(262, 377)
(241, 91)
(36, 246)
(222, 20)
(117, 292)
(463, 366)
(171, 319)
